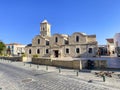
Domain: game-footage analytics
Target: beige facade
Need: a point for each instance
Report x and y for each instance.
(110, 46)
(61, 45)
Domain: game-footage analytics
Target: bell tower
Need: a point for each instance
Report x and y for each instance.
(45, 28)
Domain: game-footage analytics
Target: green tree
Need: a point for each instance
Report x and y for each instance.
(2, 47)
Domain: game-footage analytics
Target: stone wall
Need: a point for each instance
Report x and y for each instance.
(43, 61)
(74, 64)
(72, 39)
(60, 40)
(35, 41)
(12, 58)
(91, 38)
(98, 64)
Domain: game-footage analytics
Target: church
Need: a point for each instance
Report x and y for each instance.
(61, 45)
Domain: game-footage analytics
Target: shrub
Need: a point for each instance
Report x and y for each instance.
(35, 55)
(23, 55)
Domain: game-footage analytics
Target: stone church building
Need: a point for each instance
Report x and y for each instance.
(61, 45)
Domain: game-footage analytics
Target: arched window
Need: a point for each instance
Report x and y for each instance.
(77, 50)
(90, 50)
(56, 39)
(38, 51)
(47, 51)
(77, 38)
(30, 51)
(67, 50)
(38, 41)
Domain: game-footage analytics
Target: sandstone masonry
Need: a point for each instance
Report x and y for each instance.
(61, 45)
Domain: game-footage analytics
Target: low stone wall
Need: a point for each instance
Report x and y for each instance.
(74, 64)
(42, 61)
(98, 64)
(12, 58)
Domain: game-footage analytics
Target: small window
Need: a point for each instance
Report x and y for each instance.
(56, 39)
(67, 50)
(77, 50)
(12, 46)
(66, 42)
(77, 38)
(8, 46)
(47, 43)
(90, 50)
(43, 28)
(47, 51)
(38, 51)
(30, 51)
(38, 41)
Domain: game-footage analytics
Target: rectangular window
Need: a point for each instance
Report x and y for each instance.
(12, 46)
(67, 50)
(8, 46)
(66, 42)
(47, 43)
(90, 50)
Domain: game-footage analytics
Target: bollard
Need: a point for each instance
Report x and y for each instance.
(77, 73)
(30, 65)
(59, 70)
(103, 78)
(24, 63)
(37, 66)
(46, 67)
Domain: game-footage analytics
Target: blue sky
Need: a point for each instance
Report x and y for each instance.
(20, 19)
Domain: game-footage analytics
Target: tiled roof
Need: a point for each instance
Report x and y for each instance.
(29, 44)
(110, 40)
(91, 35)
(14, 44)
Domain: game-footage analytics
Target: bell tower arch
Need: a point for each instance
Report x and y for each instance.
(45, 28)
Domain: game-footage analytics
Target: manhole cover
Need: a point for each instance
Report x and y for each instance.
(26, 80)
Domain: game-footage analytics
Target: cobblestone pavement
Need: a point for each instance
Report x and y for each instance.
(16, 76)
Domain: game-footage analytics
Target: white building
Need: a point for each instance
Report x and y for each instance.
(15, 49)
(117, 40)
(110, 46)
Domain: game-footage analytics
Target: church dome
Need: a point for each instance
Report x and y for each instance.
(44, 21)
